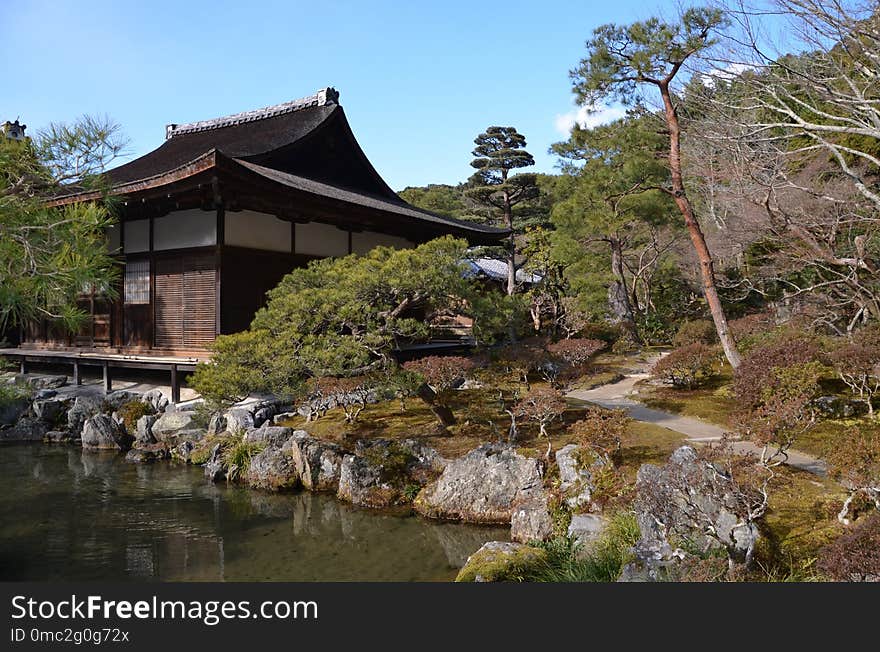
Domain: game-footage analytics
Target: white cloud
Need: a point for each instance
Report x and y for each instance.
(728, 72)
(588, 117)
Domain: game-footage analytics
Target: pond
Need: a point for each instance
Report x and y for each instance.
(66, 514)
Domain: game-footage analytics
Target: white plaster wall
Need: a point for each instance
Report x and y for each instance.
(257, 231)
(364, 241)
(317, 239)
(137, 236)
(182, 229)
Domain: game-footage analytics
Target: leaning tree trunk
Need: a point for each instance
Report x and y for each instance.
(707, 270)
(444, 414)
(511, 248)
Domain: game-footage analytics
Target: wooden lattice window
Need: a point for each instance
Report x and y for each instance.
(137, 281)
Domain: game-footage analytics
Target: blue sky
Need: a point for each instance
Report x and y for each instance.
(418, 80)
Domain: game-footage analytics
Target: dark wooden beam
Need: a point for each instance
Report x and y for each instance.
(175, 385)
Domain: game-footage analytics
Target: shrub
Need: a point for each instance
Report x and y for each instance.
(575, 352)
(854, 460)
(697, 331)
(565, 560)
(350, 393)
(747, 328)
(855, 556)
(542, 405)
(601, 431)
(13, 392)
(757, 374)
(524, 357)
(131, 411)
(857, 364)
(687, 366)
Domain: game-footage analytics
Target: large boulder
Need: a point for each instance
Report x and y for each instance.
(215, 467)
(217, 424)
(484, 486)
(102, 432)
(84, 406)
(12, 410)
(317, 462)
(115, 400)
(687, 498)
(272, 469)
(25, 429)
(147, 453)
(386, 472)
(143, 431)
(239, 420)
(51, 410)
(531, 519)
(42, 382)
(156, 400)
(576, 478)
(268, 435)
(499, 561)
(584, 529)
(175, 427)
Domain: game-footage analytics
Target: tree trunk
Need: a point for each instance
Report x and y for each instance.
(511, 248)
(707, 270)
(444, 414)
(618, 293)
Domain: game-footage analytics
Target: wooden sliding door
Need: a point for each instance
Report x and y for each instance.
(186, 301)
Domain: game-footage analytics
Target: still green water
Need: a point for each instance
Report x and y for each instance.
(70, 515)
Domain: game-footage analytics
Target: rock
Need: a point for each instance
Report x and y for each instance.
(56, 436)
(269, 435)
(50, 410)
(102, 432)
(686, 499)
(25, 429)
(217, 424)
(317, 462)
(576, 482)
(147, 454)
(215, 467)
(173, 427)
(586, 528)
(836, 407)
(263, 414)
(156, 400)
(498, 561)
(42, 382)
(483, 486)
(84, 406)
(42, 394)
(278, 419)
(115, 400)
(239, 420)
(143, 432)
(272, 469)
(183, 452)
(531, 519)
(385, 472)
(12, 411)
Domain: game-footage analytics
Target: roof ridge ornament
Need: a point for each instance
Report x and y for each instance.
(323, 97)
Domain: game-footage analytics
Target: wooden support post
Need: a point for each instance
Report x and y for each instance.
(21, 367)
(108, 381)
(77, 379)
(175, 385)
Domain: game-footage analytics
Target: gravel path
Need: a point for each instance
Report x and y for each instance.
(622, 395)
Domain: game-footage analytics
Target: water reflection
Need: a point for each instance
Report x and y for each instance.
(69, 515)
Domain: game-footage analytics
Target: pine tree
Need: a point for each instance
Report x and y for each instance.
(500, 150)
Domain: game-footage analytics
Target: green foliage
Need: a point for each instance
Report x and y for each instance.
(691, 331)
(238, 455)
(131, 411)
(603, 561)
(343, 317)
(688, 366)
(49, 255)
(14, 392)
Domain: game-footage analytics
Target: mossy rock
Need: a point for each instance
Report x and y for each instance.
(501, 561)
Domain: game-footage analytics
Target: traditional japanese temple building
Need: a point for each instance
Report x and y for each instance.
(216, 215)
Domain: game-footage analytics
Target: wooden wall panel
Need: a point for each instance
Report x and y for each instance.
(185, 301)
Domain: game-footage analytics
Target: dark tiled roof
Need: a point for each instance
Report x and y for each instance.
(244, 134)
(379, 203)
